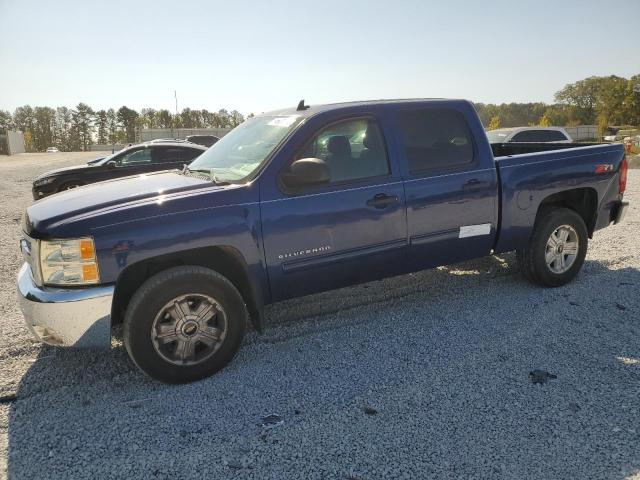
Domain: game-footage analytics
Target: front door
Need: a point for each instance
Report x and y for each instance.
(135, 162)
(348, 231)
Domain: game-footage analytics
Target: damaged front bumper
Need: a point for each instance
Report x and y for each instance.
(66, 317)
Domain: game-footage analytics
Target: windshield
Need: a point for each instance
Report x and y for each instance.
(101, 160)
(497, 136)
(240, 152)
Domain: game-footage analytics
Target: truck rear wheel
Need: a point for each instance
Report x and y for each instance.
(556, 250)
(184, 324)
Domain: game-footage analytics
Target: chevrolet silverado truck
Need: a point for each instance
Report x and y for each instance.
(299, 201)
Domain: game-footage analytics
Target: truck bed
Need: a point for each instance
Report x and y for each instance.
(507, 149)
(539, 171)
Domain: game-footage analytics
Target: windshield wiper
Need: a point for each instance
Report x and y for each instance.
(209, 171)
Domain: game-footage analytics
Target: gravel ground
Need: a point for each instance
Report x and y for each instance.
(425, 375)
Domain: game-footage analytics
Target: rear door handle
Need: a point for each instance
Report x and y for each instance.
(474, 185)
(382, 200)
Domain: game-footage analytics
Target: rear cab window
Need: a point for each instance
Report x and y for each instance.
(539, 136)
(435, 140)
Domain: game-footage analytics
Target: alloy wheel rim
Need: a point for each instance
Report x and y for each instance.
(189, 329)
(562, 249)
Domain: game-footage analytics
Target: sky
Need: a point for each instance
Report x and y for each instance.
(255, 56)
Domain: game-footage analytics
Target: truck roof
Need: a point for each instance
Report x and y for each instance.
(313, 109)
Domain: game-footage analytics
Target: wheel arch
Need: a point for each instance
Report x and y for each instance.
(62, 184)
(224, 259)
(584, 201)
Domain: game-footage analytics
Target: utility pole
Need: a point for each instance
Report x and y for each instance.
(175, 95)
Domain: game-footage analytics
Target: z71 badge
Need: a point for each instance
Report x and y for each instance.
(302, 253)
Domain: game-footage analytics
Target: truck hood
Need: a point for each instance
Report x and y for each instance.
(107, 196)
(63, 170)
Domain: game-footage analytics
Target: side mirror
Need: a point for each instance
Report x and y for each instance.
(306, 172)
(111, 164)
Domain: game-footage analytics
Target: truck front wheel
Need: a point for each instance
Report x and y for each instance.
(556, 250)
(184, 324)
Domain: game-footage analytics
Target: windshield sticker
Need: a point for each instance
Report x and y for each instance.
(285, 122)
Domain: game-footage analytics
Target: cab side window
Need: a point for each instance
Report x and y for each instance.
(188, 154)
(435, 139)
(353, 150)
(136, 157)
(167, 155)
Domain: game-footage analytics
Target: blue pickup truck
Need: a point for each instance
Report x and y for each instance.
(299, 201)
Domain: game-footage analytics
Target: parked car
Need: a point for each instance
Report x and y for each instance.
(283, 207)
(52, 150)
(206, 140)
(618, 134)
(142, 158)
(529, 135)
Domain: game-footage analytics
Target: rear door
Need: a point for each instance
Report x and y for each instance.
(352, 229)
(168, 158)
(451, 187)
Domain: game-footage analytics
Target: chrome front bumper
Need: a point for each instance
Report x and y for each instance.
(78, 318)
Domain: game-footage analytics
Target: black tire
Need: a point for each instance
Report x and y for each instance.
(154, 295)
(69, 185)
(532, 259)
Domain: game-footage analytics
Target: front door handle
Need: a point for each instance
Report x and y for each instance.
(474, 185)
(382, 200)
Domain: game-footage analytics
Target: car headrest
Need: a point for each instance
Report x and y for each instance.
(372, 138)
(339, 145)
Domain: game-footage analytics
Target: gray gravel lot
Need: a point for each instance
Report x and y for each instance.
(419, 376)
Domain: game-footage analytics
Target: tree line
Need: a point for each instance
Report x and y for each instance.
(75, 129)
(602, 101)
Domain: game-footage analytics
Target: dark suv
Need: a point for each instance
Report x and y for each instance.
(133, 160)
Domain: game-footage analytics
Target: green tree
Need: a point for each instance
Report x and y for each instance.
(610, 100)
(236, 118)
(127, 118)
(224, 119)
(24, 120)
(149, 117)
(6, 122)
(555, 115)
(583, 95)
(82, 127)
(63, 129)
(112, 126)
(631, 103)
(164, 119)
(102, 126)
(44, 128)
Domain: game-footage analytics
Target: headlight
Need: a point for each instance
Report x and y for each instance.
(69, 262)
(43, 181)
